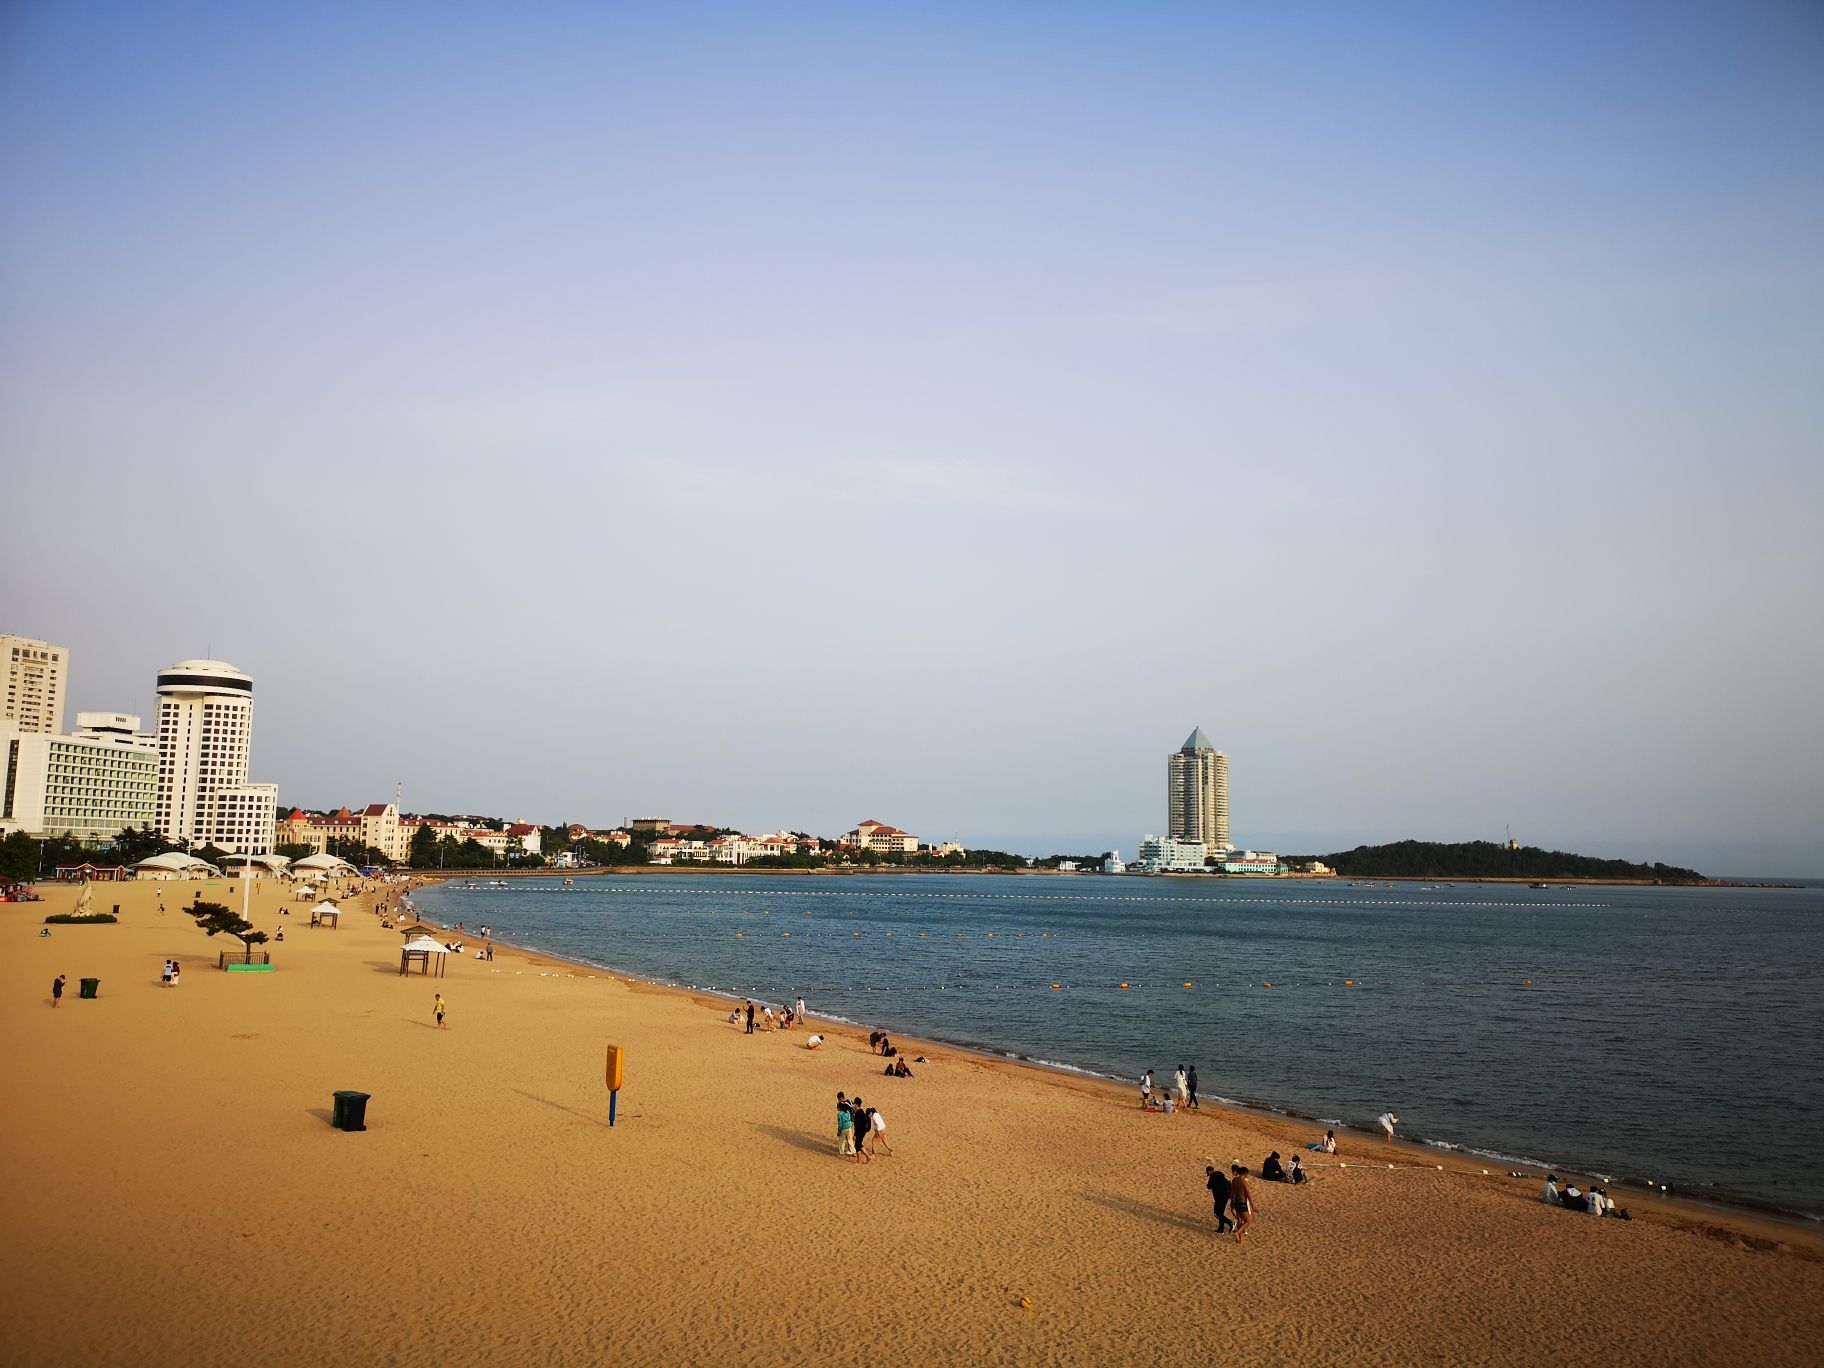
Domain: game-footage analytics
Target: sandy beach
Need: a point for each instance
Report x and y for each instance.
(178, 1195)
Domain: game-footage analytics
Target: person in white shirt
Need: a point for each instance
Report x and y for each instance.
(801, 1009)
(1146, 1087)
(1387, 1121)
(1549, 1194)
(813, 1042)
(1599, 1202)
(1184, 1088)
(877, 1131)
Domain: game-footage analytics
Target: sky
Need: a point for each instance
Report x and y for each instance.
(793, 414)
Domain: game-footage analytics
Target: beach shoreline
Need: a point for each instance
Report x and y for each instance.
(188, 1201)
(1746, 1216)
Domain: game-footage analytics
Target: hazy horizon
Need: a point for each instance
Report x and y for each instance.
(787, 416)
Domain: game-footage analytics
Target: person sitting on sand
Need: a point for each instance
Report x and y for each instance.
(1549, 1194)
(1594, 1202)
(1328, 1143)
(1571, 1199)
(1273, 1171)
(900, 1070)
(1167, 1105)
(1298, 1174)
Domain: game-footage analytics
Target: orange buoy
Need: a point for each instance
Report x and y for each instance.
(889, 933)
(1529, 980)
(1187, 985)
(1348, 983)
(1055, 987)
(1124, 987)
(1266, 985)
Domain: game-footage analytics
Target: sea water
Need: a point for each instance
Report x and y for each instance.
(1666, 1035)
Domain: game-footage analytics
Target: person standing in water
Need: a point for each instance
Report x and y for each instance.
(1387, 1121)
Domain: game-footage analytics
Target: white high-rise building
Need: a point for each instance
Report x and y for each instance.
(1197, 793)
(205, 727)
(36, 672)
(88, 786)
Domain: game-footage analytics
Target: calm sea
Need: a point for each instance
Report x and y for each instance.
(1665, 1035)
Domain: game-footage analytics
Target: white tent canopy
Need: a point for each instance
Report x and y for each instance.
(323, 864)
(426, 943)
(274, 864)
(306, 891)
(326, 906)
(174, 864)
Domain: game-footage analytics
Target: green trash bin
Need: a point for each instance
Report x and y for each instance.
(90, 987)
(350, 1111)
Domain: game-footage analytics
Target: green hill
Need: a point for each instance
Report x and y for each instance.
(1489, 860)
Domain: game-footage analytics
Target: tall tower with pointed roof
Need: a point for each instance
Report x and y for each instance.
(1197, 793)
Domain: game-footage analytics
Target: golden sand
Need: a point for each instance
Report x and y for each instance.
(177, 1196)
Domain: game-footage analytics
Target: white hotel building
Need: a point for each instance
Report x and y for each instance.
(86, 786)
(205, 727)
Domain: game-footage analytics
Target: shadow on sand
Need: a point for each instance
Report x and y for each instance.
(323, 1114)
(785, 1135)
(590, 1117)
(1127, 1206)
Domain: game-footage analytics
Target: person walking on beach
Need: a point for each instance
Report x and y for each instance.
(1239, 1199)
(1218, 1183)
(1182, 1086)
(877, 1128)
(1387, 1121)
(57, 990)
(1190, 1079)
(1146, 1087)
(860, 1115)
(750, 1016)
(439, 1009)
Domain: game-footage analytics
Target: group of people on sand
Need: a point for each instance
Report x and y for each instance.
(1595, 1202)
(860, 1130)
(1181, 1095)
(880, 1045)
(170, 975)
(1229, 1192)
(761, 1016)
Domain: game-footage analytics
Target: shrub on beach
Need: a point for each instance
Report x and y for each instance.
(79, 919)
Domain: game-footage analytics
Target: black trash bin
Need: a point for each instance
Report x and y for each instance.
(90, 987)
(350, 1113)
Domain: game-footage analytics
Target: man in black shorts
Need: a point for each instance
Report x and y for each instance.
(861, 1131)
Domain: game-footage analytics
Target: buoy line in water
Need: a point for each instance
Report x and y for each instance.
(1061, 897)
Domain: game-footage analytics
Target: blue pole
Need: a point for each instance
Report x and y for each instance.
(611, 1100)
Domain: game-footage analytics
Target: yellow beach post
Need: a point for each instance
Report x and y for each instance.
(617, 1067)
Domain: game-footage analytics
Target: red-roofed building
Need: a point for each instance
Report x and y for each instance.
(872, 835)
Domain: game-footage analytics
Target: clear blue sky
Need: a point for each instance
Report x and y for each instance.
(792, 414)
